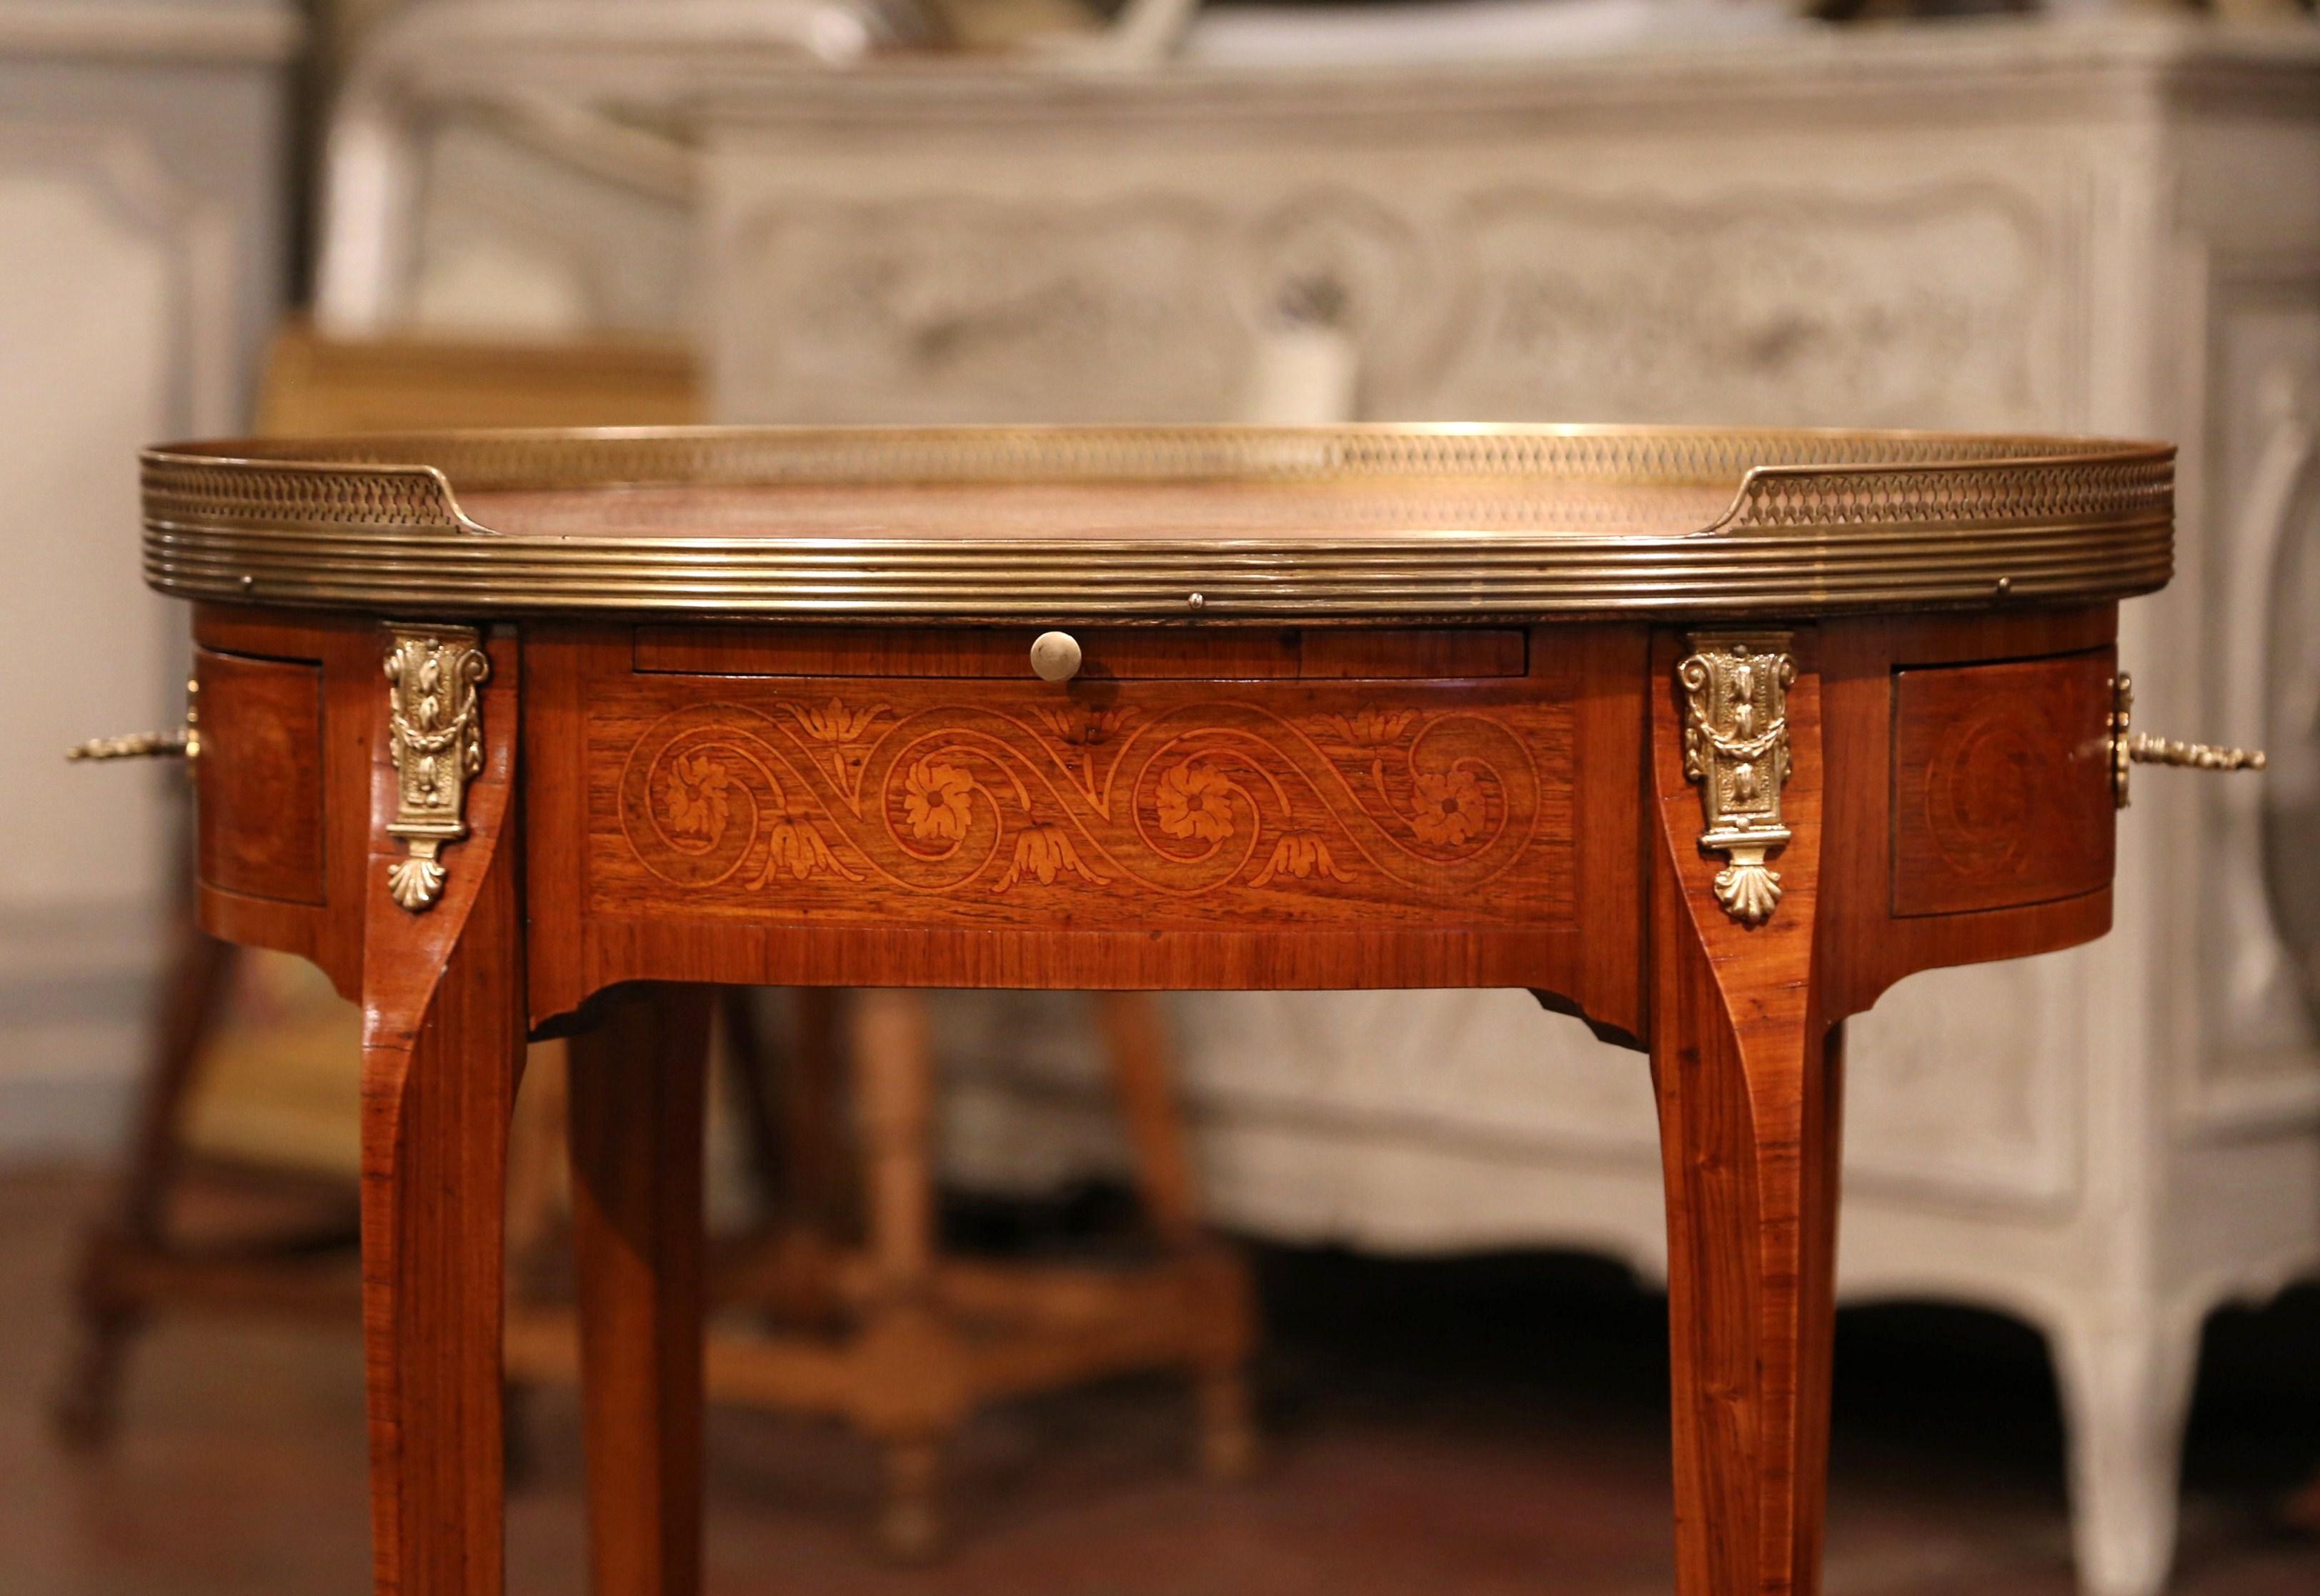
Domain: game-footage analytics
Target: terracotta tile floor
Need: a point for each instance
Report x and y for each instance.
(1460, 1429)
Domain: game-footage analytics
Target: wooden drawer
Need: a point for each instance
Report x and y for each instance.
(258, 781)
(1000, 653)
(2001, 782)
(1386, 778)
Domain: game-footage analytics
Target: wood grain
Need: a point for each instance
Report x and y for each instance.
(1297, 833)
(443, 1041)
(638, 1106)
(348, 651)
(1868, 946)
(261, 724)
(2001, 782)
(1002, 653)
(1745, 1066)
(872, 820)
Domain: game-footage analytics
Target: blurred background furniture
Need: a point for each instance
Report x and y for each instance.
(2077, 226)
(1644, 230)
(2078, 223)
(280, 1112)
(861, 1316)
(143, 191)
(855, 1315)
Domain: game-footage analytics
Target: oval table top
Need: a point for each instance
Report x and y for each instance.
(1161, 522)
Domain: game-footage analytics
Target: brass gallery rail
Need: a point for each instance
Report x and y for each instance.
(1707, 737)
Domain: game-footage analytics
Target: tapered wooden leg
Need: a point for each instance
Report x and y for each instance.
(1747, 1077)
(637, 1093)
(443, 1040)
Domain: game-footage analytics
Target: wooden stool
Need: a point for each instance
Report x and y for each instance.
(903, 1343)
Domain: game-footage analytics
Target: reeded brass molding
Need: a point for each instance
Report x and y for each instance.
(2130, 747)
(435, 736)
(1735, 747)
(1517, 523)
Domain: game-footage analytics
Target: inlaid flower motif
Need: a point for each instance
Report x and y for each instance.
(1449, 806)
(1045, 852)
(1300, 854)
(1083, 727)
(1365, 729)
(1193, 801)
(834, 722)
(794, 847)
(934, 801)
(695, 791)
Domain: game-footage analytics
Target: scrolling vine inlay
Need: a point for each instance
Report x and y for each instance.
(1185, 801)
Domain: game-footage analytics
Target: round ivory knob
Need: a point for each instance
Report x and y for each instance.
(1055, 656)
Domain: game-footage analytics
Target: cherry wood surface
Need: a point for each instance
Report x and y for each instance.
(657, 807)
(1223, 654)
(443, 1042)
(262, 719)
(1986, 817)
(639, 1097)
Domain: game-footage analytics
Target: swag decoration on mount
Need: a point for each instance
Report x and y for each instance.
(1736, 748)
(435, 736)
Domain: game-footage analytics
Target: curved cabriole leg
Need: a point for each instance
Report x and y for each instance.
(638, 1089)
(1747, 1076)
(2126, 1391)
(443, 1039)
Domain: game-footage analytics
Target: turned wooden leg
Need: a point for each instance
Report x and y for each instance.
(198, 968)
(814, 1180)
(637, 1092)
(916, 1389)
(1747, 1075)
(1143, 1085)
(443, 1041)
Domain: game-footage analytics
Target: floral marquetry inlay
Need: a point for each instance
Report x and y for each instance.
(1306, 796)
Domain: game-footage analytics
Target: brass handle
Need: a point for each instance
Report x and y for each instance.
(2130, 747)
(185, 743)
(136, 745)
(1055, 656)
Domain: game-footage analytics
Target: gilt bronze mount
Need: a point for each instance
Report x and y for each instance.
(1735, 748)
(435, 738)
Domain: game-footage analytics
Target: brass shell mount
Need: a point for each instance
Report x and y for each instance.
(435, 738)
(1735, 748)
(183, 743)
(2130, 747)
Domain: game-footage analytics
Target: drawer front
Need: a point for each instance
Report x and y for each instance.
(1403, 801)
(258, 781)
(1002, 653)
(2001, 784)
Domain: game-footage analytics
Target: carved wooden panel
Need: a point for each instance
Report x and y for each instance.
(259, 776)
(1798, 301)
(1209, 805)
(940, 304)
(2001, 784)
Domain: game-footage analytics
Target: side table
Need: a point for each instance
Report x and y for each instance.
(1707, 737)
